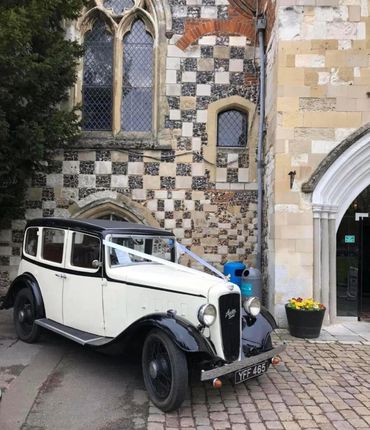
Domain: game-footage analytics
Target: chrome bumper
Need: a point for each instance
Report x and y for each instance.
(238, 365)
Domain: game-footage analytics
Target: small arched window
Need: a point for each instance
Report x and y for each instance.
(137, 85)
(232, 128)
(97, 78)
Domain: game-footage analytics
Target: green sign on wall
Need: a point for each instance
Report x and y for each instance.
(349, 238)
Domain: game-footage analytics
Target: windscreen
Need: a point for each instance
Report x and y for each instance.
(160, 247)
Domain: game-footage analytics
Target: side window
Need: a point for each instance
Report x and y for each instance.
(232, 128)
(85, 249)
(52, 245)
(31, 241)
(163, 248)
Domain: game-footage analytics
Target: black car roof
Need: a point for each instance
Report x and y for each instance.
(98, 226)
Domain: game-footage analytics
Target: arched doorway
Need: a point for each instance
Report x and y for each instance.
(353, 258)
(339, 179)
(112, 205)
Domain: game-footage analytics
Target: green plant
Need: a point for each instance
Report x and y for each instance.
(37, 68)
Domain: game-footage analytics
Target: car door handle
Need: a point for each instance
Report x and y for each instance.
(58, 275)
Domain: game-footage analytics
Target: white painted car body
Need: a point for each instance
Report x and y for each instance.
(116, 286)
(107, 305)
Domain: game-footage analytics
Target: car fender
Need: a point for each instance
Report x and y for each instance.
(26, 280)
(185, 336)
(256, 331)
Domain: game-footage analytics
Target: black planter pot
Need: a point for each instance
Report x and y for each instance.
(304, 324)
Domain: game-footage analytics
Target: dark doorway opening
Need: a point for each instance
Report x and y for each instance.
(353, 260)
(348, 264)
(364, 284)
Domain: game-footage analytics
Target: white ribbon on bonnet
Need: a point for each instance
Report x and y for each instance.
(176, 266)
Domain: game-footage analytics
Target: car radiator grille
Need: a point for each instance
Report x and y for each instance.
(229, 306)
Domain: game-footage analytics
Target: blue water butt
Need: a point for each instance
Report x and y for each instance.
(235, 269)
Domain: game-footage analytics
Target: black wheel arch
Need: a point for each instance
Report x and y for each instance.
(256, 331)
(268, 316)
(184, 334)
(26, 280)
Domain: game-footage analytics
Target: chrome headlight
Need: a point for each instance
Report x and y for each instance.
(207, 314)
(252, 306)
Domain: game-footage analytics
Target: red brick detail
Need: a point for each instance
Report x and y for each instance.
(236, 10)
(241, 22)
(251, 78)
(196, 28)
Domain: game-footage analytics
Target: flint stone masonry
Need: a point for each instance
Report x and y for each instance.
(165, 180)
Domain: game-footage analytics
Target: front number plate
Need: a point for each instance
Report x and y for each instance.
(251, 371)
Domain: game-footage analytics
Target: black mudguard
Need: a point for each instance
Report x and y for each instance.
(256, 334)
(181, 331)
(26, 280)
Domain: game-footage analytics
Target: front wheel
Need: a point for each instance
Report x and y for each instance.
(165, 371)
(24, 316)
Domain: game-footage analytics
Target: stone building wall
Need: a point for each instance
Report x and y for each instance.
(207, 197)
(269, 157)
(322, 96)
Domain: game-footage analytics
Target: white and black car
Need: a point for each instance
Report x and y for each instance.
(115, 284)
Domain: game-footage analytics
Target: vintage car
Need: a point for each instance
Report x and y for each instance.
(115, 284)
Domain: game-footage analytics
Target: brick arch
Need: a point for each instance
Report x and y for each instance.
(236, 25)
(241, 22)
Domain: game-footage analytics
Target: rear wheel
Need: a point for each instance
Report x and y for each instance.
(24, 316)
(165, 371)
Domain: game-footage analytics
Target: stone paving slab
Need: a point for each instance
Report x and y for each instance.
(355, 332)
(323, 383)
(319, 386)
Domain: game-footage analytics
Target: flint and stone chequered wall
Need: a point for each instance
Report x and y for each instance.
(209, 204)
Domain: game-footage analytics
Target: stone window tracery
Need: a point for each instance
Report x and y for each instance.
(118, 85)
(118, 6)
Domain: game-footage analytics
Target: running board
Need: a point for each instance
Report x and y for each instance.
(81, 337)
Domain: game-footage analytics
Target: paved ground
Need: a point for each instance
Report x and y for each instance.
(59, 385)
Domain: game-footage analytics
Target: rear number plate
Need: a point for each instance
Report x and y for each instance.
(251, 372)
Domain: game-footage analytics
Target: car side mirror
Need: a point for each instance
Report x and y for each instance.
(95, 264)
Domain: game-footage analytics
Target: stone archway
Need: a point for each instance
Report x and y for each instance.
(111, 202)
(337, 181)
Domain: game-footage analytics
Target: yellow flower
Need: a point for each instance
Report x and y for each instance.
(308, 304)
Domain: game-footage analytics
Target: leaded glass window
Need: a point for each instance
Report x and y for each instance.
(137, 101)
(232, 128)
(97, 79)
(118, 6)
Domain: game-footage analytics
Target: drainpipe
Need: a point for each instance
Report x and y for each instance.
(261, 28)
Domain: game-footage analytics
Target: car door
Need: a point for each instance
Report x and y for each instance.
(82, 294)
(50, 273)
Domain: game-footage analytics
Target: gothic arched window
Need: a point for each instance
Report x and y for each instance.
(118, 85)
(97, 79)
(137, 100)
(232, 128)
